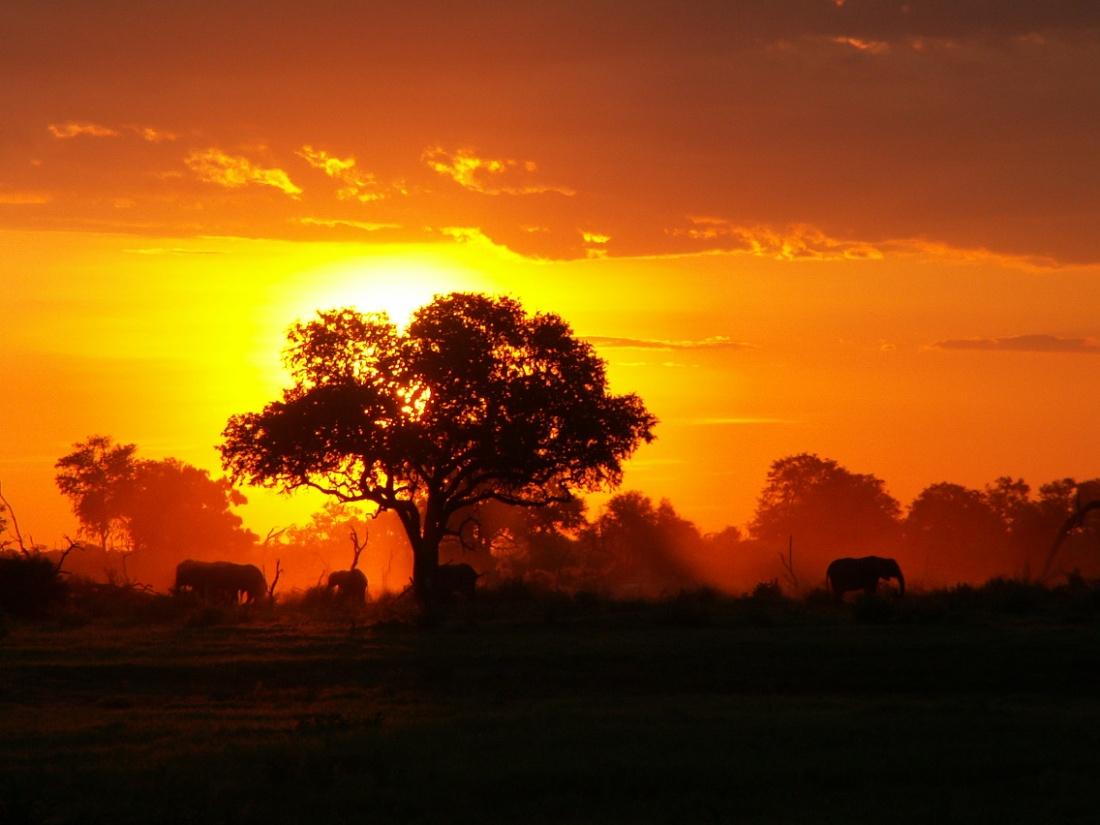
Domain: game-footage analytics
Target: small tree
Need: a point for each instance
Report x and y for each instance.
(98, 476)
(477, 401)
(828, 509)
(151, 513)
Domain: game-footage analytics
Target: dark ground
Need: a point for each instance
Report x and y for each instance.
(606, 719)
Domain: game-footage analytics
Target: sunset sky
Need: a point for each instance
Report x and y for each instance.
(869, 230)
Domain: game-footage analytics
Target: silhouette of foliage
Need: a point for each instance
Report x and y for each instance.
(477, 401)
(531, 543)
(827, 509)
(951, 527)
(176, 511)
(98, 476)
(641, 550)
(30, 585)
(154, 513)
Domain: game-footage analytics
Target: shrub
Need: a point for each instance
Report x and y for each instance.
(873, 609)
(30, 586)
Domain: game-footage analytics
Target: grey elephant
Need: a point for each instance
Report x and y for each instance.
(452, 580)
(221, 582)
(862, 574)
(348, 586)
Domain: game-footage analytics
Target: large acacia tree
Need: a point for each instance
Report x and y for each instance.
(476, 401)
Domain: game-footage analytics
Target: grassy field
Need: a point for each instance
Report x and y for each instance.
(647, 714)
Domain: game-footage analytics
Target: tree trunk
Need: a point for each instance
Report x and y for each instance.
(425, 563)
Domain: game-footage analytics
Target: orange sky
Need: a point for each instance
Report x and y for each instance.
(863, 229)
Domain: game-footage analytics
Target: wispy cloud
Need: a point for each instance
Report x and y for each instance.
(489, 176)
(332, 223)
(235, 171)
(716, 342)
(595, 244)
(356, 185)
(972, 255)
(862, 45)
(173, 250)
(736, 421)
(83, 128)
(80, 128)
(1024, 343)
(793, 243)
(23, 198)
(151, 134)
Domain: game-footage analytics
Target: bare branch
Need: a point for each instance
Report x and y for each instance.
(460, 533)
(1070, 524)
(15, 525)
(275, 581)
(357, 547)
(272, 534)
(788, 565)
(64, 555)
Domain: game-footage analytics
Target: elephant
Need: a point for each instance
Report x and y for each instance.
(862, 574)
(349, 585)
(221, 582)
(452, 580)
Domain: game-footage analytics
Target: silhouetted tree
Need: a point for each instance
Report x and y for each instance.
(1065, 507)
(1024, 538)
(157, 513)
(476, 401)
(532, 543)
(951, 527)
(641, 550)
(827, 509)
(98, 476)
(176, 511)
(310, 551)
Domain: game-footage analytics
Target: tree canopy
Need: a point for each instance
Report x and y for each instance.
(156, 513)
(828, 509)
(476, 401)
(98, 477)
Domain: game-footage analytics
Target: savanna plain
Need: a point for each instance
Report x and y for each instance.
(967, 705)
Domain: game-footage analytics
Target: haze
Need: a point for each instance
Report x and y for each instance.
(864, 230)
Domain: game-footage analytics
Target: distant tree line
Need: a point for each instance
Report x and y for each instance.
(140, 517)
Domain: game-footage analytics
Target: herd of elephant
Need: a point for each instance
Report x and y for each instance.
(223, 582)
(227, 583)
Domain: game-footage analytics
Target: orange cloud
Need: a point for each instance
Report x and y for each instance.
(1024, 343)
(595, 244)
(978, 255)
(489, 176)
(153, 135)
(715, 342)
(234, 171)
(859, 44)
(796, 243)
(360, 186)
(23, 198)
(74, 128)
(332, 223)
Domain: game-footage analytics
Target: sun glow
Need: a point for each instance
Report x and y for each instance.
(394, 284)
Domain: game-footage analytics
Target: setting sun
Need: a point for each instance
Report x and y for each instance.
(394, 283)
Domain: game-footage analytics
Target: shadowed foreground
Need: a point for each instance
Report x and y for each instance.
(597, 721)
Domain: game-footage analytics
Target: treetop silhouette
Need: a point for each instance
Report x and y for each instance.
(477, 401)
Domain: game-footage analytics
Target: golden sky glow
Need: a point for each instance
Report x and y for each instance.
(867, 230)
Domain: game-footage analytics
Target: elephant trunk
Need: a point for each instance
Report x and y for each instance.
(901, 583)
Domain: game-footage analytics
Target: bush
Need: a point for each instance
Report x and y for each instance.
(768, 591)
(871, 608)
(30, 586)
